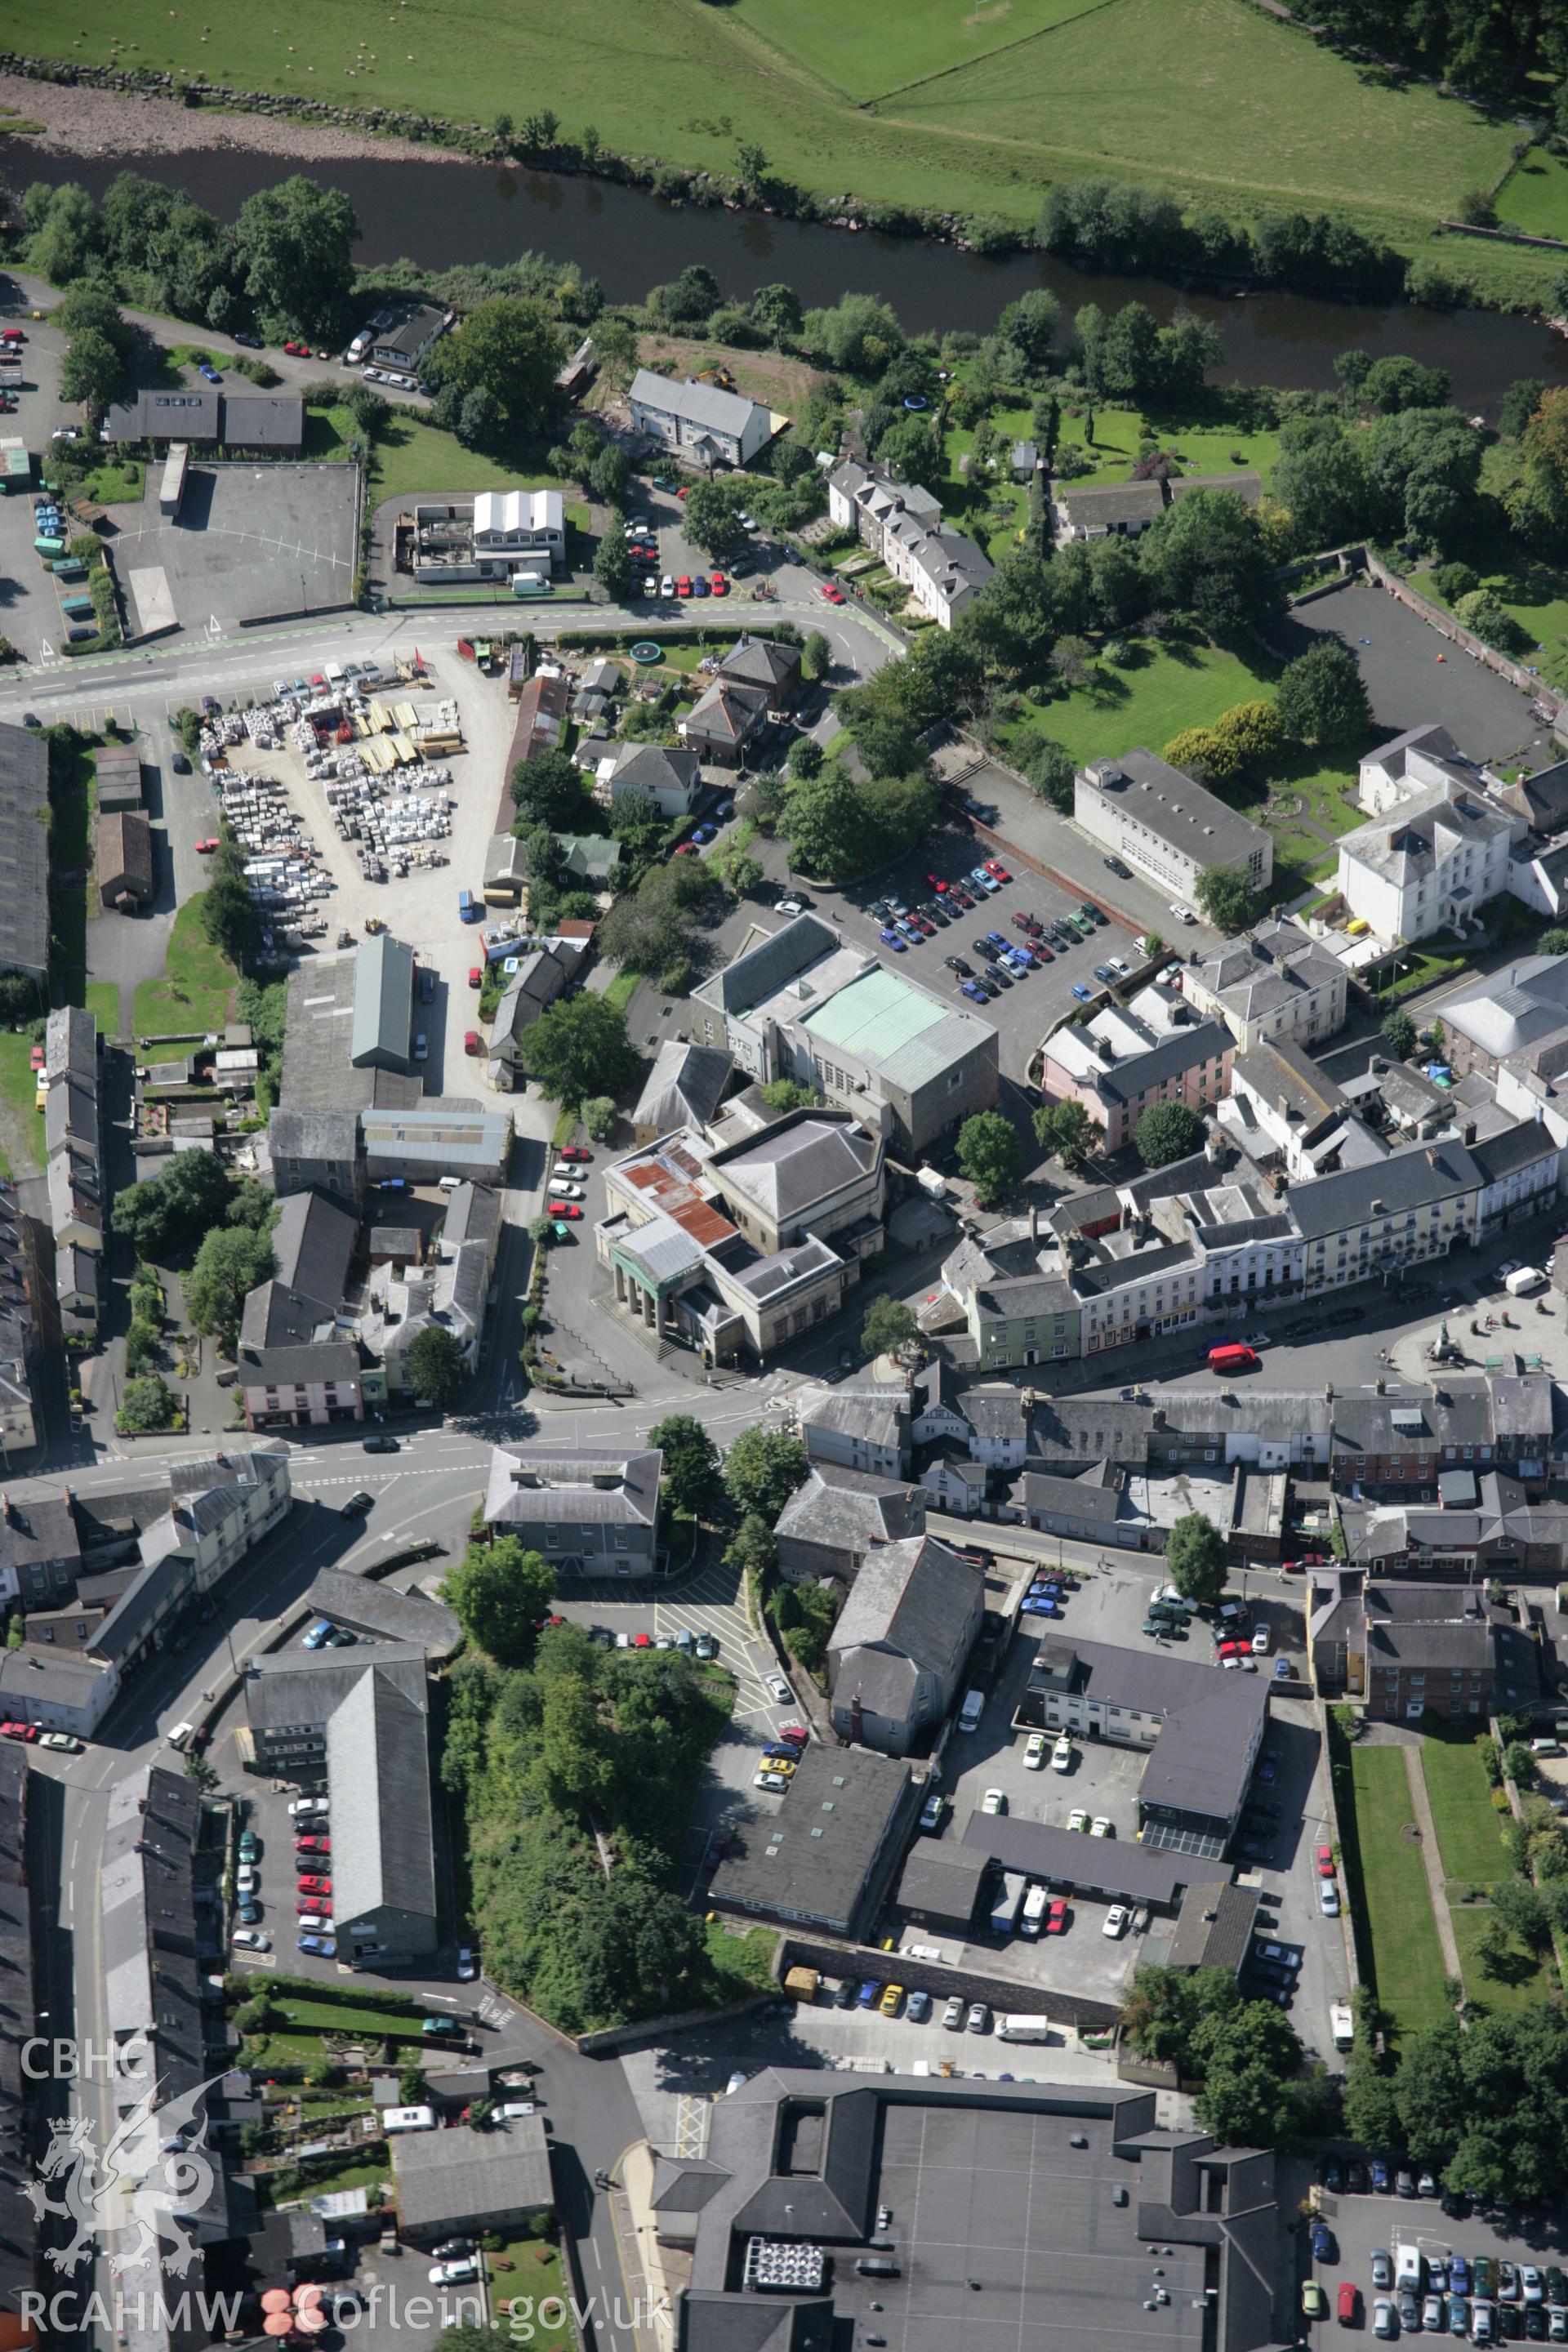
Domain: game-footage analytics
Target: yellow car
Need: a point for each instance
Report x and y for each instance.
(889, 2004)
(781, 1765)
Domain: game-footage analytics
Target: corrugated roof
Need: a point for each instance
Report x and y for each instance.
(382, 1001)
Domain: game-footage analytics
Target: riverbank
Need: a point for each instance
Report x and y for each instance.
(77, 119)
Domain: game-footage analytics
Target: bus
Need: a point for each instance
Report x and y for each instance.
(1230, 1356)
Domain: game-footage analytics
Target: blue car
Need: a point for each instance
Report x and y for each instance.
(1022, 958)
(1322, 2243)
(1084, 995)
(868, 1994)
(210, 372)
(320, 1634)
(1041, 1608)
(988, 883)
(891, 939)
(1379, 2163)
(975, 996)
(704, 832)
(250, 1915)
(999, 938)
(323, 1948)
(1459, 2275)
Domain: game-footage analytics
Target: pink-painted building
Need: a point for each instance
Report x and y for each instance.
(1121, 1062)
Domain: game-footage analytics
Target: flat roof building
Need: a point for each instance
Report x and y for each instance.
(1170, 827)
(822, 1859)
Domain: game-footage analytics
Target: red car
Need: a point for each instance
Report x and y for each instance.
(958, 896)
(542, 1625)
(1325, 1857)
(568, 1209)
(683, 585)
(312, 1885)
(1057, 1918)
(642, 1642)
(206, 848)
(37, 1057)
(1308, 1560)
(298, 351)
(316, 1903)
(940, 887)
(578, 1151)
(796, 1733)
(685, 849)
(831, 594)
(476, 975)
(473, 1044)
(719, 585)
(308, 1845)
(1349, 2303)
(1000, 872)
(18, 1731)
(1233, 1649)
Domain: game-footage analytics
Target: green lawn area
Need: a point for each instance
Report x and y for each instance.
(1536, 596)
(746, 1959)
(1468, 1831)
(324, 2181)
(328, 432)
(1534, 196)
(341, 2017)
(417, 460)
(528, 2271)
(1521, 1981)
(622, 990)
(1224, 105)
(18, 1086)
(1203, 448)
(1406, 1958)
(198, 984)
(101, 998)
(989, 505)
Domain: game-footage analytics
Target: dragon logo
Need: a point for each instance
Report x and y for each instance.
(154, 2176)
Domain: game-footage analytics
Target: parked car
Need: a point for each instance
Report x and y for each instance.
(1116, 1921)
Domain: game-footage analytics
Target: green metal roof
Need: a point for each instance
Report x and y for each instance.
(874, 1016)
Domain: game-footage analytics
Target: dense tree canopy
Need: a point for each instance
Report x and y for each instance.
(578, 1047)
(761, 1471)
(1167, 1131)
(510, 348)
(990, 1154)
(1321, 698)
(231, 1261)
(167, 1214)
(691, 1461)
(294, 248)
(1196, 1558)
(497, 1592)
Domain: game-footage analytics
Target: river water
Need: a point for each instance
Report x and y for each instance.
(440, 214)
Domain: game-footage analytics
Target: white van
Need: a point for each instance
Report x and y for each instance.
(1033, 1912)
(1170, 1598)
(969, 1713)
(181, 1735)
(1524, 1282)
(1342, 2024)
(1023, 2029)
(408, 2119)
(1410, 2269)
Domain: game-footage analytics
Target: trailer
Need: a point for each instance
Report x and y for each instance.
(1008, 1902)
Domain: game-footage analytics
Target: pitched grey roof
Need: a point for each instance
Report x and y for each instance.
(1202, 1756)
(1138, 1874)
(1411, 840)
(877, 1417)
(1268, 969)
(761, 662)
(447, 2179)
(307, 1686)
(1179, 1049)
(700, 404)
(599, 1485)
(383, 1000)
(726, 712)
(473, 1214)
(1191, 819)
(378, 1774)
(1406, 1180)
(997, 1414)
(653, 768)
(1111, 503)
(684, 1085)
(909, 1597)
(70, 1046)
(788, 1168)
(848, 1509)
(366, 1606)
(763, 969)
(313, 1245)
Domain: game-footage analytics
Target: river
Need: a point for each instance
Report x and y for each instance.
(440, 214)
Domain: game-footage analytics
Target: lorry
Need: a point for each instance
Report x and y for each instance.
(1007, 1903)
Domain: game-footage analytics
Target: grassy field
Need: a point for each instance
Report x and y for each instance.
(746, 1958)
(1203, 448)
(1468, 1832)
(1534, 197)
(1221, 104)
(196, 984)
(341, 2017)
(101, 998)
(417, 460)
(528, 2271)
(24, 1125)
(1519, 1983)
(1407, 1958)
(1536, 596)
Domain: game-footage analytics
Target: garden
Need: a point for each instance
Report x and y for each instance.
(1385, 1879)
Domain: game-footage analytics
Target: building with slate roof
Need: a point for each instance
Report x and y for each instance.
(380, 1033)
(542, 975)
(292, 1696)
(837, 1518)
(1428, 866)
(897, 1654)
(1111, 509)
(378, 1780)
(365, 1605)
(1201, 1731)
(1169, 827)
(858, 1429)
(25, 852)
(1404, 1649)
(1214, 1928)
(1274, 981)
(1045, 2199)
(672, 779)
(234, 420)
(1117, 1065)
(495, 2181)
(590, 1510)
(817, 1171)
(685, 1087)
(299, 1366)
(1420, 760)
(824, 1859)
(714, 427)
(1518, 1015)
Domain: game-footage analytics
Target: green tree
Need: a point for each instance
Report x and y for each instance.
(1322, 697)
(784, 1095)
(1398, 1033)
(1250, 2059)
(806, 758)
(1167, 1131)
(1487, 617)
(990, 1154)
(230, 919)
(169, 1212)
(815, 657)
(612, 566)
(1553, 942)
(1031, 326)
(776, 310)
(549, 790)
(691, 1461)
(146, 1404)
(1196, 1559)
(201, 1772)
(711, 521)
(435, 1365)
(1066, 1129)
(1205, 555)
(761, 1471)
(1048, 769)
(576, 1767)
(1224, 898)
(1517, 1907)
(510, 348)
(615, 350)
(497, 1592)
(414, 2091)
(92, 371)
(231, 1262)
(293, 246)
(580, 1047)
(1370, 2101)
(600, 1116)
(888, 1328)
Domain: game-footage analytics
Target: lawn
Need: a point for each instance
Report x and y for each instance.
(1520, 1981)
(745, 1960)
(339, 2017)
(991, 507)
(1224, 104)
(196, 986)
(1159, 692)
(1536, 596)
(1203, 448)
(1407, 1957)
(420, 461)
(18, 1086)
(1534, 196)
(1468, 1832)
(101, 998)
(527, 2272)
